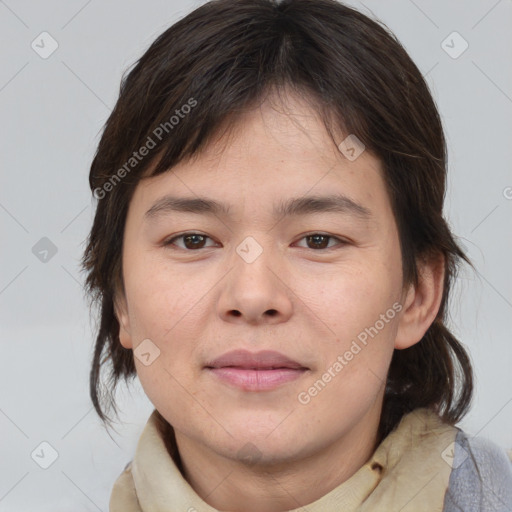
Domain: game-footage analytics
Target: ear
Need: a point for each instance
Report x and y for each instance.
(421, 303)
(121, 312)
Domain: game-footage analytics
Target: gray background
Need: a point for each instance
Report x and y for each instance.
(52, 111)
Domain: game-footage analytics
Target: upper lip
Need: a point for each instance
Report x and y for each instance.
(265, 359)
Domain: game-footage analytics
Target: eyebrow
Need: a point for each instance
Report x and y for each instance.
(338, 203)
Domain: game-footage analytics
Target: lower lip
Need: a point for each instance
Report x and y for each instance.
(257, 380)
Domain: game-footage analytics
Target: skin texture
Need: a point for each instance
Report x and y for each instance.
(306, 302)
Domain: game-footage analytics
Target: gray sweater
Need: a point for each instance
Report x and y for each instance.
(481, 477)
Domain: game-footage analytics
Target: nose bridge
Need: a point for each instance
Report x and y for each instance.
(254, 261)
(250, 250)
(254, 289)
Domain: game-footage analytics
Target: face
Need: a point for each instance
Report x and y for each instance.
(321, 286)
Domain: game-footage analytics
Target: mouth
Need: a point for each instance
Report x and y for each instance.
(261, 371)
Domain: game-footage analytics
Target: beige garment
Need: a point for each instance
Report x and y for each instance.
(406, 473)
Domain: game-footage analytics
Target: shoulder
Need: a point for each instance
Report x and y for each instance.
(481, 477)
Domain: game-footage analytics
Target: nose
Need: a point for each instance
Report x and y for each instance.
(256, 292)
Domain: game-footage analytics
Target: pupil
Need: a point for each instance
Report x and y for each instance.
(190, 237)
(316, 238)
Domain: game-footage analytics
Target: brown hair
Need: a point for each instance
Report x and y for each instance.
(223, 58)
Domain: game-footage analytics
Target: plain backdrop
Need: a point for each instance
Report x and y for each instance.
(52, 110)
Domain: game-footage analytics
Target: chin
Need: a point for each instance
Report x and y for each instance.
(265, 453)
(263, 443)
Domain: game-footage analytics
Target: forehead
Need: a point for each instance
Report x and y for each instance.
(278, 157)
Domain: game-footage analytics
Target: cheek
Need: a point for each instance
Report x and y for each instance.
(351, 298)
(171, 308)
(357, 309)
(165, 295)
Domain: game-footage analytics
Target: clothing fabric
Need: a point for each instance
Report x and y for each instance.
(423, 465)
(481, 478)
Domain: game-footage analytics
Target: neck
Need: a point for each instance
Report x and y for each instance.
(275, 485)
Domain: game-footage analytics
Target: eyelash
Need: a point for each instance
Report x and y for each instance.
(170, 241)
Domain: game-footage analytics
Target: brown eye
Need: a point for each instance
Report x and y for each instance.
(320, 241)
(191, 241)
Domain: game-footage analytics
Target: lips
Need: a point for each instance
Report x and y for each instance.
(264, 360)
(255, 372)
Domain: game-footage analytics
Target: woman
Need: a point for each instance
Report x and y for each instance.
(272, 262)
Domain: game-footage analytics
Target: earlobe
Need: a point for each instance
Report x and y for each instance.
(121, 312)
(421, 303)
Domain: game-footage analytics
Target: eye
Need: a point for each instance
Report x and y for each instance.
(320, 240)
(191, 240)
